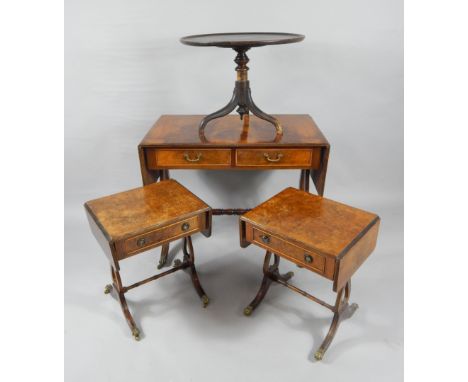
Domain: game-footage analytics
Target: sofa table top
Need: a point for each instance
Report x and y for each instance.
(182, 130)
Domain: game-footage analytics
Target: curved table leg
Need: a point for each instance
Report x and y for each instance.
(270, 273)
(219, 113)
(285, 276)
(189, 257)
(342, 311)
(117, 283)
(261, 114)
(266, 282)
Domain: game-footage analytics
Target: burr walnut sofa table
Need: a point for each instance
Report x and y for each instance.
(318, 234)
(131, 222)
(230, 144)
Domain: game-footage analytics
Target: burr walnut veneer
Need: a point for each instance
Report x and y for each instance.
(228, 143)
(128, 223)
(318, 234)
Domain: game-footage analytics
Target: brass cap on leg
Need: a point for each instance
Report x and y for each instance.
(319, 354)
(136, 334)
(205, 300)
(248, 311)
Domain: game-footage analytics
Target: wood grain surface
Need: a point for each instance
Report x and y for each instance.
(130, 213)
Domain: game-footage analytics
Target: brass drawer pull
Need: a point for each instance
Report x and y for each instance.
(188, 159)
(141, 242)
(265, 239)
(308, 259)
(277, 159)
(185, 226)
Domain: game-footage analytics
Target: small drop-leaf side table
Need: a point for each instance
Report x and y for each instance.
(131, 222)
(328, 238)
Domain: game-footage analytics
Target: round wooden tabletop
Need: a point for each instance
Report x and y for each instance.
(246, 39)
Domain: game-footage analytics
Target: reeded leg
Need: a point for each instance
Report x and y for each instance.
(189, 256)
(123, 303)
(266, 282)
(342, 311)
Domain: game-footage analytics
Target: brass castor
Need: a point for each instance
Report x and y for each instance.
(205, 300)
(248, 311)
(107, 289)
(318, 355)
(177, 263)
(289, 275)
(136, 334)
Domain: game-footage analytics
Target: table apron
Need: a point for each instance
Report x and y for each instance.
(265, 158)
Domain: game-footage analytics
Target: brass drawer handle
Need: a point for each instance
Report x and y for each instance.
(277, 159)
(188, 159)
(141, 242)
(265, 239)
(308, 259)
(185, 226)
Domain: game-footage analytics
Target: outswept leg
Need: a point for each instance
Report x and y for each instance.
(117, 284)
(275, 272)
(270, 273)
(186, 264)
(342, 310)
(261, 114)
(189, 256)
(219, 113)
(266, 282)
(242, 98)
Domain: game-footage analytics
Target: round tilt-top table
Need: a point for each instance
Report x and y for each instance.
(241, 43)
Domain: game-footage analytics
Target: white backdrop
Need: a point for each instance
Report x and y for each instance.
(124, 67)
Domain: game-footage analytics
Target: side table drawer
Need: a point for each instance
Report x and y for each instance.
(191, 158)
(275, 158)
(153, 238)
(290, 251)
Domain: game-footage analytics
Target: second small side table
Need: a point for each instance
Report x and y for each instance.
(318, 234)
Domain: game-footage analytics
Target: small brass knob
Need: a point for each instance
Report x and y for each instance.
(185, 226)
(265, 239)
(141, 242)
(308, 258)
